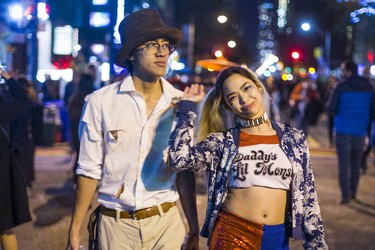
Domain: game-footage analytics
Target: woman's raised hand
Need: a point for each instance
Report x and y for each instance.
(194, 93)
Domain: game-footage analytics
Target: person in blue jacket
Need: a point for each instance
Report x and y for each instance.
(353, 107)
(261, 188)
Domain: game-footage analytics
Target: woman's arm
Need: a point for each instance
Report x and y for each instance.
(182, 155)
(313, 224)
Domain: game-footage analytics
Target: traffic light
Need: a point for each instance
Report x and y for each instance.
(295, 54)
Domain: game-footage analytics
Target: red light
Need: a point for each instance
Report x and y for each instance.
(48, 9)
(370, 56)
(295, 55)
(63, 62)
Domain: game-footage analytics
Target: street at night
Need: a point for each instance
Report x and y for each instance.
(109, 80)
(347, 227)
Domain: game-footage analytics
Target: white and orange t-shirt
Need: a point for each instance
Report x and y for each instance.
(260, 162)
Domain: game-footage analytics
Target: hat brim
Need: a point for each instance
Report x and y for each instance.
(172, 34)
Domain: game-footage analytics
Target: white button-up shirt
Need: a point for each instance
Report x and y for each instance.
(125, 149)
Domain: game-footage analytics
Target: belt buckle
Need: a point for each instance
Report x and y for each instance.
(133, 215)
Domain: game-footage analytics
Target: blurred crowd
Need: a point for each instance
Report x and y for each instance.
(299, 102)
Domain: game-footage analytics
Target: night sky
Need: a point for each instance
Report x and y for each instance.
(324, 15)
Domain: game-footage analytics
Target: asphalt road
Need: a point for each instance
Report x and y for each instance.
(347, 227)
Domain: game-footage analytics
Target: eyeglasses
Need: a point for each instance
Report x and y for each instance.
(153, 48)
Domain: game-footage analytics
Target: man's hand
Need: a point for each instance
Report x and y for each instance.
(185, 183)
(73, 243)
(191, 242)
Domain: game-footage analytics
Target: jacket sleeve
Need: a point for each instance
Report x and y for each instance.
(372, 103)
(334, 102)
(183, 156)
(313, 224)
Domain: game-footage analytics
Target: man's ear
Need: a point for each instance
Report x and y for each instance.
(131, 58)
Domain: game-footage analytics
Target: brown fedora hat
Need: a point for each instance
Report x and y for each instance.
(139, 27)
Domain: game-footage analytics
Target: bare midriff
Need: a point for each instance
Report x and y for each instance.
(257, 204)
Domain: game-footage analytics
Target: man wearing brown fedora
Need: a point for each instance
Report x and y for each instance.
(124, 133)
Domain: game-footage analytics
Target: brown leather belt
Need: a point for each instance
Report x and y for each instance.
(138, 214)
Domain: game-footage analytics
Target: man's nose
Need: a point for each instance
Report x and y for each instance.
(161, 50)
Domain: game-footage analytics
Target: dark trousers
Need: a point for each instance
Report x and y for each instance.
(349, 153)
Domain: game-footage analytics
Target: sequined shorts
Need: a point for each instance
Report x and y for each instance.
(233, 232)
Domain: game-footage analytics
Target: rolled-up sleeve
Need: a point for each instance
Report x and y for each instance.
(91, 154)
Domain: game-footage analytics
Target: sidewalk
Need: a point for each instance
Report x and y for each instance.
(348, 227)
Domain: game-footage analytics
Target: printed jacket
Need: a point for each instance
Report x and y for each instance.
(216, 154)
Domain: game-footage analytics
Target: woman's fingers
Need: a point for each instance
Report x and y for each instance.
(194, 92)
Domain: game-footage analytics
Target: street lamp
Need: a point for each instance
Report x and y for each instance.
(305, 26)
(327, 42)
(231, 44)
(219, 54)
(222, 19)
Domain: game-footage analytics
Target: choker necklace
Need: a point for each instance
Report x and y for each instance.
(244, 123)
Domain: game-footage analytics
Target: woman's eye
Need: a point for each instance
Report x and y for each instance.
(232, 98)
(247, 87)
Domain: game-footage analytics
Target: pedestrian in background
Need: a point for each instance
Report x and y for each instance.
(124, 133)
(331, 86)
(14, 206)
(26, 130)
(353, 107)
(261, 188)
(71, 86)
(50, 89)
(370, 139)
(92, 70)
(75, 105)
(305, 102)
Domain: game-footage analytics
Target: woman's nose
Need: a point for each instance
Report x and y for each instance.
(242, 98)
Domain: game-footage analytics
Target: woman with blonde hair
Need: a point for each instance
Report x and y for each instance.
(261, 187)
